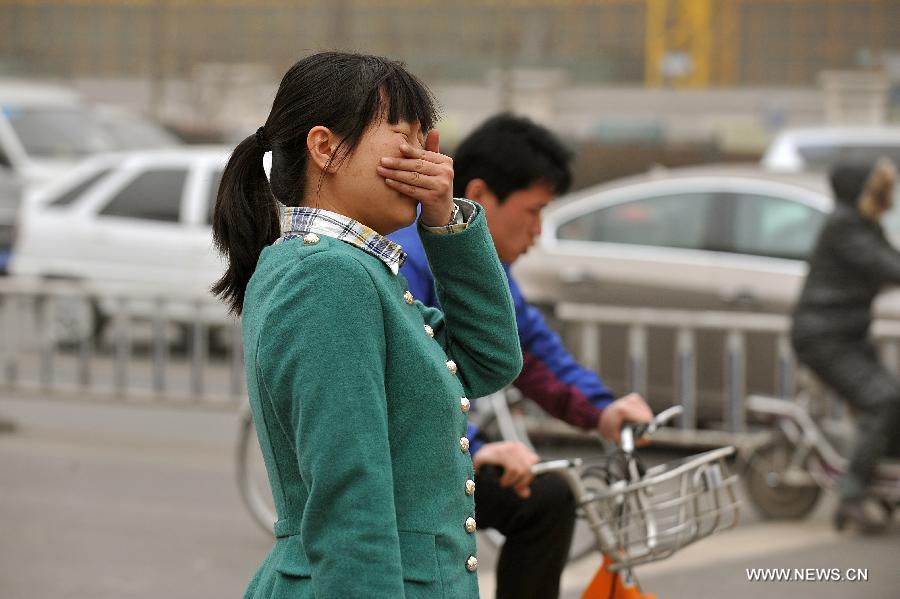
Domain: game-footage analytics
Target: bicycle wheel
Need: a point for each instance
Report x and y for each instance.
(252, 478)
(763, 479)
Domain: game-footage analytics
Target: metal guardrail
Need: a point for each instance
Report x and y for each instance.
(686, 324)
(153, 348)
(140, 358)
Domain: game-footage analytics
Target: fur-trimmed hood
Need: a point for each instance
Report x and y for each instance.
(864, 186)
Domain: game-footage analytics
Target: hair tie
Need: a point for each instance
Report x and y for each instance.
(262, 141)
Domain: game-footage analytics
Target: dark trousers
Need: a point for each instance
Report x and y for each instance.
(854, 371)
(538, 533)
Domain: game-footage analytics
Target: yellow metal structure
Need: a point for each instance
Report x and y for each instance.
(679, 40)
(691, 43)
(671, 43)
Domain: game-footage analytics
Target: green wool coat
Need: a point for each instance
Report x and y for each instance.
(361, 418)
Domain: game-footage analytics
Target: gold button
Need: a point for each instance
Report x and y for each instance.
(464, 444)
(408, 297)
(470, 487)
(429, 330)
(310, 239)
(464, 404)
(470, 525)
(472, 563)
(451, 366)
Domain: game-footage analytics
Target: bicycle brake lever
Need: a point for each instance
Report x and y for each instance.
(632, 432)
(640, 429)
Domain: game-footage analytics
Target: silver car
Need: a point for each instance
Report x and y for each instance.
(724, 238)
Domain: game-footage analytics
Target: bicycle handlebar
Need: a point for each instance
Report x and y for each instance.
(633, 430)
(630, 432)
(554, 466)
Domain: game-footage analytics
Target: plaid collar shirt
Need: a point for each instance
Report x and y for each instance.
(298, 221)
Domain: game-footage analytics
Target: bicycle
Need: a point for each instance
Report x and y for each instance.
(613, 497)
(252, 478)
(785, 475)
(639, 515)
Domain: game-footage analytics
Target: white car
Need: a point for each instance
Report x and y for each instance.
(45, 130)
(138, 221)
(714, 238)
(131, 131)
(818, 149)
(724, 238)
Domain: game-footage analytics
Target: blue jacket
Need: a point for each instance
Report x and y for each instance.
(550, 376)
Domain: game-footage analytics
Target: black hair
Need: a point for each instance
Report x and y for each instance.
(342, 91)
(848, 180)
(510, 153)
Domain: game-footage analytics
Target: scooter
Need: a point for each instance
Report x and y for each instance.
(784, 475)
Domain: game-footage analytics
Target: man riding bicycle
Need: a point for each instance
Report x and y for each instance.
(850, 264)
(514, 167)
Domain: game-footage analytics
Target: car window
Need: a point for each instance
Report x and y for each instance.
(133, 132)
(676, 221)
(153, 195)
(214, 179)
(49, 132)
(776, 227)
(71, 194)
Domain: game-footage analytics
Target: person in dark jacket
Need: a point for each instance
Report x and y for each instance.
(850, 264)
(513, 167)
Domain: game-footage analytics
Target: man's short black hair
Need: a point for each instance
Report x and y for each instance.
(510, 153)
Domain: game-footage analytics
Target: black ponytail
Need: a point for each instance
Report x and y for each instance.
(342, 91)
(245, 219)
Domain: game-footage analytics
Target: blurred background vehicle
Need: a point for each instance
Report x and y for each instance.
(45, 130)
(129, 130)
(720, 238)
(136, 221)
(820, 148)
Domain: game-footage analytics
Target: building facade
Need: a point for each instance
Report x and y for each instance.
(665, 43)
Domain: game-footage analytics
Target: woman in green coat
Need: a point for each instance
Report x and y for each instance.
(358, 391)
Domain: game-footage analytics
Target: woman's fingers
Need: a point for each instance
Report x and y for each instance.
(406, 189)
(433, 142)
(431, 156)
(413, 165)
(427, 177)
(421, 182)
(422, 174)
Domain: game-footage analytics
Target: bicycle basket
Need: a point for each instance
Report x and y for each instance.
(672, 506)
